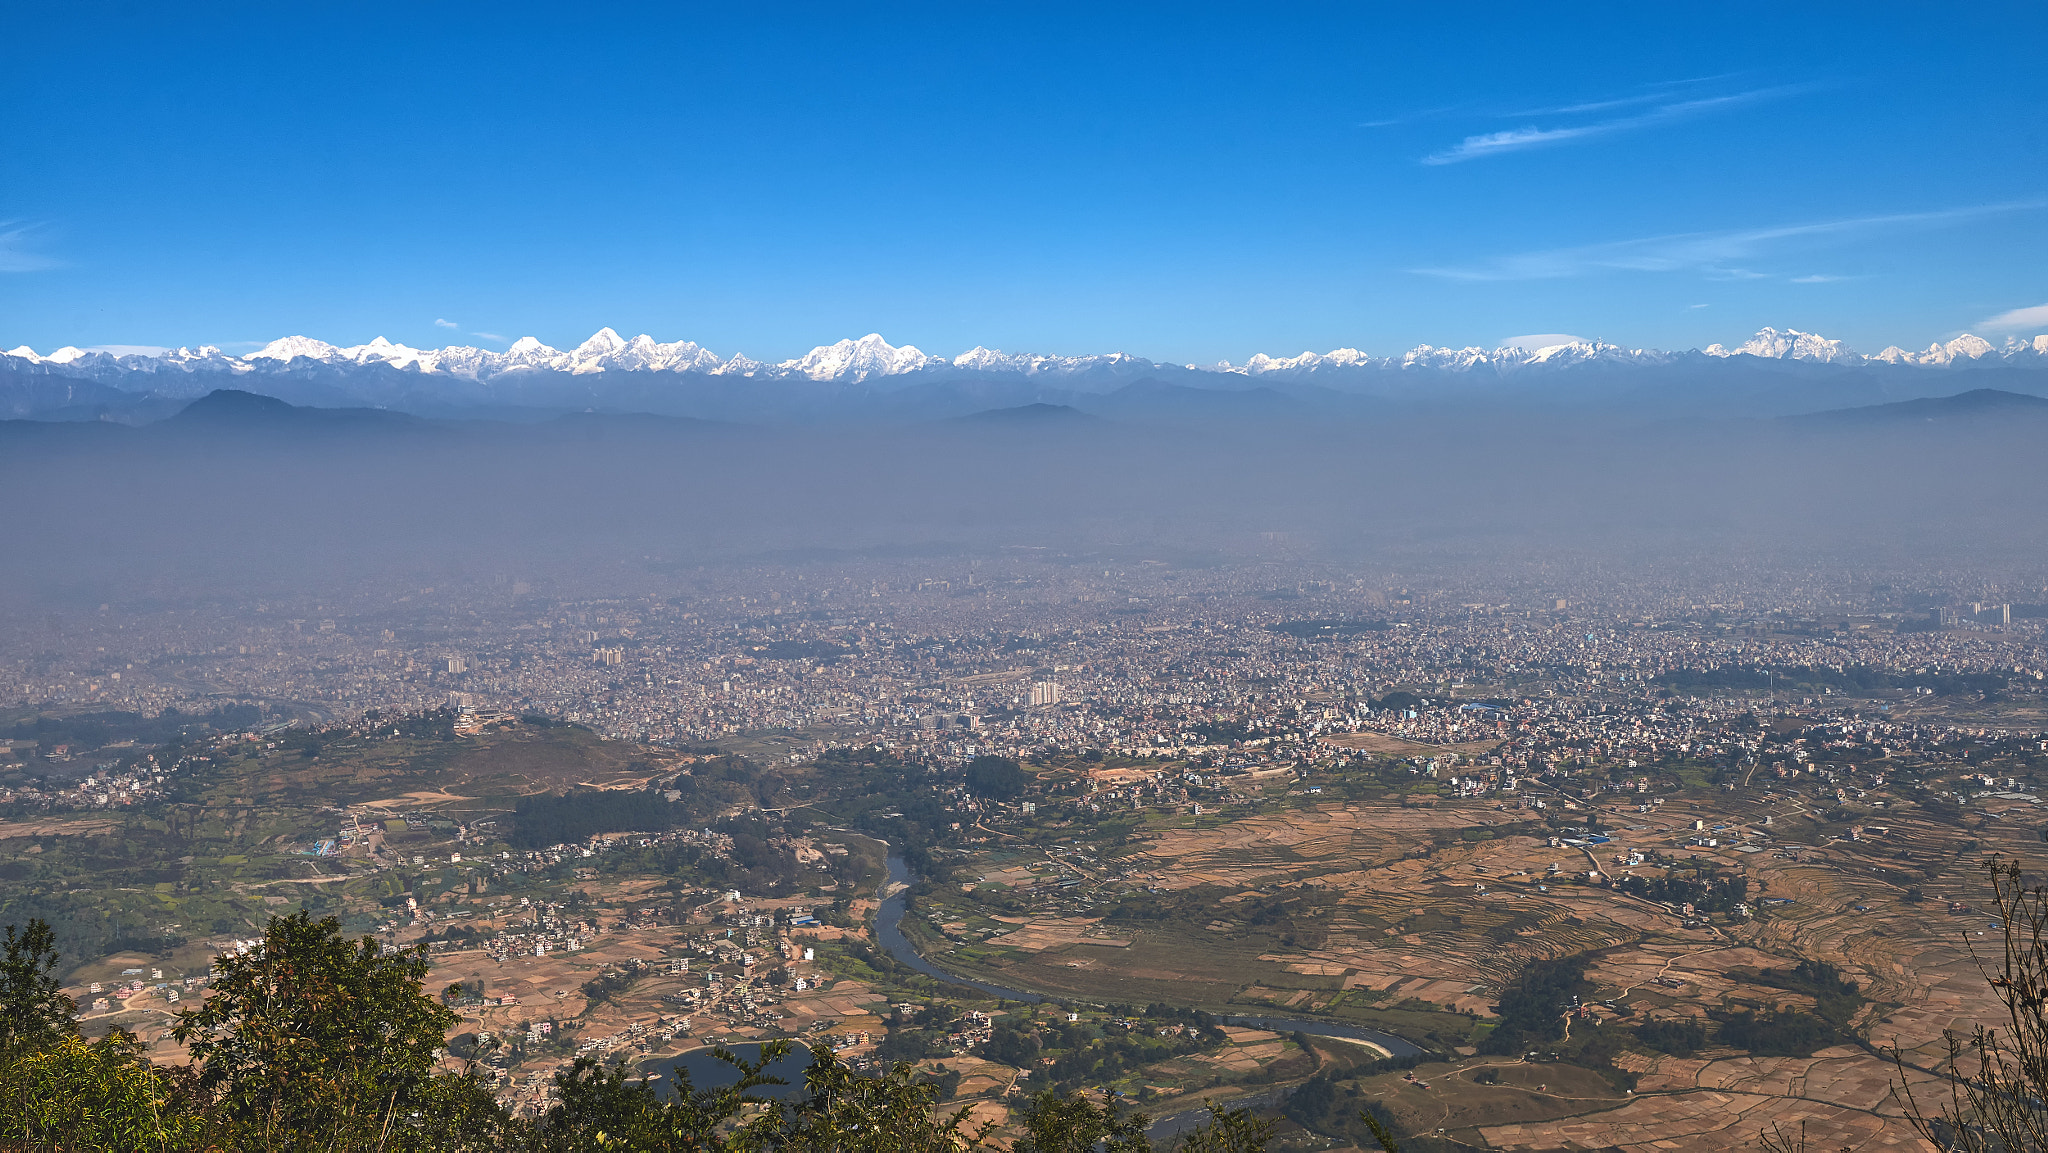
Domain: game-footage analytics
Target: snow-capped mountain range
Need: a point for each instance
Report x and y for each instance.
(872, 357)
(1772, 373)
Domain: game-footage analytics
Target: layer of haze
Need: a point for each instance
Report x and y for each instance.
(179, 512)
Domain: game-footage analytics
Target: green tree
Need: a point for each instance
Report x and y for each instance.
(1532, 1008)
(839, 1112)
(312, 1038)
(57, 1091)
(1228, 1131)
(998, 778)
(1074, 1123)
(35, 1013)
(602, 1109)
(1011, 1045)
(1668, 1036)
(1381, 1132)
(104, 1095)
(844, 1112)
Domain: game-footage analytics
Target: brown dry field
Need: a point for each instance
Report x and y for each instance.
(57, 827)
(1394, 926)
(471, 773)
(1451, 927)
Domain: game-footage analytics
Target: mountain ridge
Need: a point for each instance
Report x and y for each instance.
(1976, 404)
(872, 356)
(1774, 373)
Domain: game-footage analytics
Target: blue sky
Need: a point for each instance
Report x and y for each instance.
(1179, 182)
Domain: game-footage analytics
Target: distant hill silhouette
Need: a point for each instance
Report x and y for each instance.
(230, 409)
(1976, 405)
(24, 395)
(1158, 398)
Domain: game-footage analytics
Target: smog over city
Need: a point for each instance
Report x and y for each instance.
(551, 574)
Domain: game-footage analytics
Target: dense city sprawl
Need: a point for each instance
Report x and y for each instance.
(625, 829)
(1018, 656)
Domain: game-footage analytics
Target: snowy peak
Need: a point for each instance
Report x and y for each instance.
(1973, 347)
(469, 371)
(739, 365)
(645, 354)
(1791, 344)
(382, 351)
(1457, 359)
(1587, 351)
(605, 350)
(293, 347)
(378, 351)
(102, 363)
(1506, 358)
(25, 353)
(525, 353)
(1307, 361)
(993, 360)
(981, 359)
(602, 342)
(596, 353)
(1963, 348)
(592, 354)
(206, 355)
(853, 361)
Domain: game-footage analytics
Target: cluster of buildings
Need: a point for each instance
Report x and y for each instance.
(115, 997)
(1023, 654)
(135, 779)
(1548, 737)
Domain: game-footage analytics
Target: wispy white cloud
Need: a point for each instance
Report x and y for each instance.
(2033, 318)
(1708, 253)
(1513, 140)
(1524, 139)
(1410, 117)
(16, 241)
(488, 336)
(1695, 80)
(445, 324)
(1596, 105)
(1651, 94)
(1690, 307)
(1537, 340)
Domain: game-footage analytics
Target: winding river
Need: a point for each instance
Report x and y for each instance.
(889, 931)
(706, 1071)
